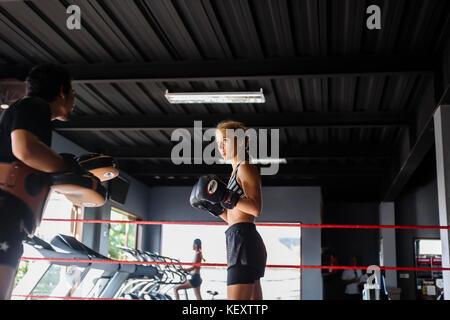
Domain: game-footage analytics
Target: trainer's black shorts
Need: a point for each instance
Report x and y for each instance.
(246, 254)
(11, 230)
(195, 280)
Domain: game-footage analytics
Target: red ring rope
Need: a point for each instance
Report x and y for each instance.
(224, 264)
(338, 226)
(64, 298)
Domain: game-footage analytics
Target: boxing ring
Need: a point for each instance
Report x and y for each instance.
(288, 266)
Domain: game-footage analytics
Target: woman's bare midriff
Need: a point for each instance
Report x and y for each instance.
(235, 216)
(198, 259)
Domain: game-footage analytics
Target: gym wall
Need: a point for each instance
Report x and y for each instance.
(362, 243)
(280, 204)
(417, 205)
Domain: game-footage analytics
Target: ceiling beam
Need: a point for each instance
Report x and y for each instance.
(278, 68)
(371, 183)
(333, 188)
(289, 170)
(415, 154)
(409, 165)
(260, 120)
(288, 151)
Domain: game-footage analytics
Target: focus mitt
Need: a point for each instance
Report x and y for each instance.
(102, 166)
(84, 190)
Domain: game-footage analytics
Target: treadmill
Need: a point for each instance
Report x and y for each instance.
(84, 280)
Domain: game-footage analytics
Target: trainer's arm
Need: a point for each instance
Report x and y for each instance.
(251, 184)
(34, 153)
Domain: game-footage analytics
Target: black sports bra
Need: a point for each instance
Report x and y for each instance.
(234, 185)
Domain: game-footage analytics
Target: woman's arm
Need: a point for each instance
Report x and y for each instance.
(224, 215)
(250, 181)
(198, 259)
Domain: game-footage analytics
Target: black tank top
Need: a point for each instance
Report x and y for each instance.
(234, 185)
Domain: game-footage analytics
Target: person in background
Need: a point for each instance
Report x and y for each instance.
(195, 280)
(352, 279)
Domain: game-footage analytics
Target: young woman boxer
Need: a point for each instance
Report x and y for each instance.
(246, 252)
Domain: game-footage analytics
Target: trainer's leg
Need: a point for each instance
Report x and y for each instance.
(7, 276)
(239, 291)
(185, 285)
(257, 291)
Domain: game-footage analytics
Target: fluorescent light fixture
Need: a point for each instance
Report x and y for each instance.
(269, 160)
(261, 160)
(216, 97)
(4, 106)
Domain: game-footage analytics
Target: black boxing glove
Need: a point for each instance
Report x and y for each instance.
(214, 208)
(212, 189)
(71, 163)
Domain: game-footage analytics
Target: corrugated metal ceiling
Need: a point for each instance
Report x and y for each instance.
(120, 31)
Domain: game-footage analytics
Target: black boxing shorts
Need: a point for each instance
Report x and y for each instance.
(195, 280)
(12, 230)
(246, 254)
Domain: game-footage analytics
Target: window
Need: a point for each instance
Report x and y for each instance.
(282, 245)
(55, 282)
(429, 246)
(121, 234)
(58, 207)
(429, 285)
